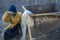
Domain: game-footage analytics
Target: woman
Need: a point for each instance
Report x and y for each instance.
(14, 27)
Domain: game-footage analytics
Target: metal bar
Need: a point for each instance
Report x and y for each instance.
(29, 33)
(58, 14)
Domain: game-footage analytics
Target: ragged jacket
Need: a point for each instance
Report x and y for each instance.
(13, 20)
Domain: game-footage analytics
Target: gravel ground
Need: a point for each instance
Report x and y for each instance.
(2, 25)
(52, 35)
(46, 28)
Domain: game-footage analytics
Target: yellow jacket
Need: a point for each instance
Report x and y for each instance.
(13, 20)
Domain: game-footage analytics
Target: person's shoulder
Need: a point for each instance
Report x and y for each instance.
(19, 13)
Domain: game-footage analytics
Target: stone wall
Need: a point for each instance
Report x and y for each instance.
(5, 4)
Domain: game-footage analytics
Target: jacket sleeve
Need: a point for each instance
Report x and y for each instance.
(6, 17)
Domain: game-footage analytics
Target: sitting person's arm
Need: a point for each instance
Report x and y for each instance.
(6, 17)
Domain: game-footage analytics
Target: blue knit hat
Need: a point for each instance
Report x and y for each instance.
(13, 9)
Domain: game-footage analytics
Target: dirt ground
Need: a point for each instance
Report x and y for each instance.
(45, 31)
